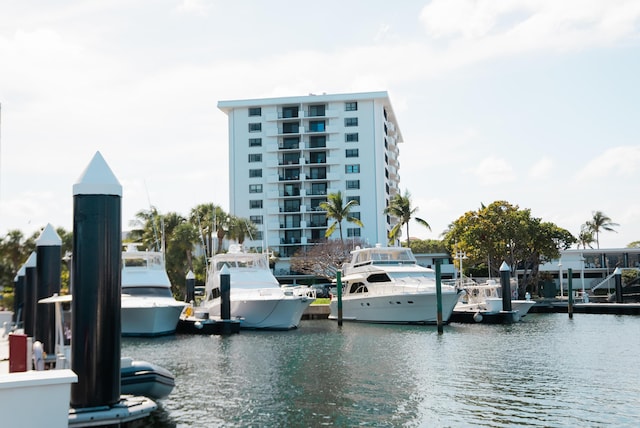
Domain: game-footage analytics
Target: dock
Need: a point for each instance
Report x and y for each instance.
(561, 306)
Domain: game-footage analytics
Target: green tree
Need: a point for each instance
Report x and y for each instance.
(600, 222)
(427, 246)
(503, 232)
(400, 207)
(241, 229)
(337, 210)
(201, 217)
(634, 244)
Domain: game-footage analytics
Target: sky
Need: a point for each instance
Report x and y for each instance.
(536, 102)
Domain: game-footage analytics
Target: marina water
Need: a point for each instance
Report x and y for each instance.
(545, 371)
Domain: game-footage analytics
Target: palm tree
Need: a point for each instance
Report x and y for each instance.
(400, 207)
(241, 228)
(202, 218)
(585, 238)
(600, 222)
(338, 211)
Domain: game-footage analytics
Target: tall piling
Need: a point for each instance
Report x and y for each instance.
(30, 301)
(617, 275)
(18, 299)
(439, 296)
(570, 292)
(339, 291)
(48, 259)
(96, 277)
(505, 282)
(225, 293)
(190, 292)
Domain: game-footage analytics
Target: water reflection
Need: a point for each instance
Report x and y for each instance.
(546, 371)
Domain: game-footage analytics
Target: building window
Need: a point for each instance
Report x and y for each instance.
(255, 127)
(351, 138)
(253, 173)
(352, 169)
(353, 184)
(350, 121)
(255, 203)
(316, 126)
(351, 106)
(291, 127)
(255, 142)
(353, 232)
(351, 153)
(317, 141)
(255, 219)
(354, 198)
(258, 236)
(255, 111)
(289, 112)
(255, 188)
(316, 110)
(255, 157)
(355, 215)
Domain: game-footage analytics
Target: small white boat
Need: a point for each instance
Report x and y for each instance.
(483, 302)
(256, 298)
(386, 285)
(148, 307)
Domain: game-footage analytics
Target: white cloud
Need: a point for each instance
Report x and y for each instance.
(541, 169)
(617, 161)
(492, 170)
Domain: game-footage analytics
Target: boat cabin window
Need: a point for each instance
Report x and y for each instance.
(138, 262)
(358, 287)
(379, 277)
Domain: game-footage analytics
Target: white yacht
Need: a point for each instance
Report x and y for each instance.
(386, 285)
(256, 298)
(148, 307)
(482, 301)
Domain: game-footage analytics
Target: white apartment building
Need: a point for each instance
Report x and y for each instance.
(287, 154)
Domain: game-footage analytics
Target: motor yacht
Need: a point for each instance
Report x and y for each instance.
(386, 285)
(256, 298)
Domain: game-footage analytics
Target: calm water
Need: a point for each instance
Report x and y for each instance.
(545, 371)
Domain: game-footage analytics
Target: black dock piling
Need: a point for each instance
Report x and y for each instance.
(18, 300)
(439, 296)
(96, 277)
(570, 292)
(506, 286)
(30, 290)
(617, 274)
(48, 254)
(339, 291)
(190, 292)
(225, 299)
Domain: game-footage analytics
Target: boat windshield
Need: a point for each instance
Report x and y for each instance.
(416, 276)
(243, 262)
(147, 291)
(384, 256)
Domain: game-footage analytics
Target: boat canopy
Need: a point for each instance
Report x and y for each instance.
(383, 256)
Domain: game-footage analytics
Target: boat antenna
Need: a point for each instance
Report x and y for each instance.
(153, 211)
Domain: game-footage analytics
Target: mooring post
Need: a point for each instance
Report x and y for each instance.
(439, 296)
(30, 290)
(570, 291)
(49, 255)
(96, 276)
(617, 274)
(190, 294)
(339, 290)
(18, 300)
(225, 293)
(505, 282)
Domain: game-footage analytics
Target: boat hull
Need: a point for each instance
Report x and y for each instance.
(273, 313)
(409, 308)
(152, 319)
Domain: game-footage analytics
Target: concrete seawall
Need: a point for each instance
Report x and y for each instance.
(316, 312)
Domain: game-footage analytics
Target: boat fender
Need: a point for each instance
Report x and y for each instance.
(477, 317)
(198, 325)
(38, 355)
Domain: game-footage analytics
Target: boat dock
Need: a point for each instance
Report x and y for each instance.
(561, 306)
